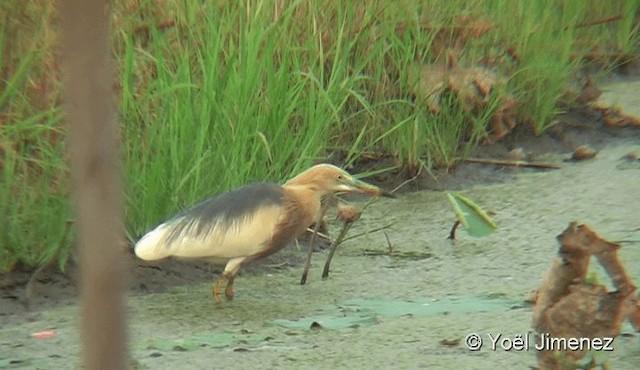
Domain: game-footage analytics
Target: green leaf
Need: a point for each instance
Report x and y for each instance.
(592, 278)
(424, 307)
(365, 312)
(475, 219)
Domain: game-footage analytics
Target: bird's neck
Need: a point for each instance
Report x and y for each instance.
(308, 198)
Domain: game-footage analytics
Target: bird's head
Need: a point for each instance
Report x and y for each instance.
(327, 178)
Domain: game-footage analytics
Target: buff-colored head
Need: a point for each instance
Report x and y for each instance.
(327, 178)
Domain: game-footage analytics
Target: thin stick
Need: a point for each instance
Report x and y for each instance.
(345, 228)
(498, 162)
(389, 245)
(407, 181)
(341, 238)
(321, 235)
(609, 19)
(307, 264)
(368, 232)
(452, 233)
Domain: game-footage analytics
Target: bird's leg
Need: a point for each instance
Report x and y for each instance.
(226, 279)
(307, 265)
(216, 290)
(228, 291)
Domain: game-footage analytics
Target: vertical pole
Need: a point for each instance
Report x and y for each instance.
(95, 165)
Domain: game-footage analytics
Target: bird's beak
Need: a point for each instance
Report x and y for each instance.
(353, 185)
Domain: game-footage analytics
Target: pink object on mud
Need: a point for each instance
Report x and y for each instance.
(45, 334)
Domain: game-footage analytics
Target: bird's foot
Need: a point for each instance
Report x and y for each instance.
(228, 291)
(216, 291)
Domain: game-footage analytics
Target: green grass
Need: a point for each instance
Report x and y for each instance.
(34, 186)
(545, 43)
(215, 95)
(239, 109)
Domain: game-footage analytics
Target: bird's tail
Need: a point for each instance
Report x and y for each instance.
(152, 246)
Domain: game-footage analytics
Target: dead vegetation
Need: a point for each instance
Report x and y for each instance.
(474, 88)
(570, 306)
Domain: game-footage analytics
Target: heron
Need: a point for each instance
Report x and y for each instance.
(248, 223)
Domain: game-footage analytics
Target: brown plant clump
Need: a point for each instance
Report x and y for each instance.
(474, 88)
(568, 306)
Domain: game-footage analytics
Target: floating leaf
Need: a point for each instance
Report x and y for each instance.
(427, 307)
(364, 312)
(475, 220)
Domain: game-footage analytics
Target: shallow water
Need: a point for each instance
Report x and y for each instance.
(382, 311)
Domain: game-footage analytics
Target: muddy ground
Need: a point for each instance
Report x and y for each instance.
(409, 309)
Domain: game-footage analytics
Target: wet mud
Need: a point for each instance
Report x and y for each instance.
(409, 309)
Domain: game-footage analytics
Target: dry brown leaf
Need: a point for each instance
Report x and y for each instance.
(348, 213)
(583, 152)
(473, 88)
(480, 27)
(568, 307)
(616, 118)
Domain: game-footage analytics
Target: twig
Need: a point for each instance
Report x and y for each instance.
(397, 254)
(307, 264)
(609, 19)
(278, 265)
(343, 232)
(375, 252)
(368, 232)
(626, 241)
(498, 162)
(388, 242)
(407, 181)
(452, 233)
(345, 228)
(322, 235)
(341, 239)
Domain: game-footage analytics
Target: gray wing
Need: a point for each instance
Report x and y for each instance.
(204, 229)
